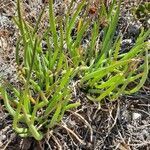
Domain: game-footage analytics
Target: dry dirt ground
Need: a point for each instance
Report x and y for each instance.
(122, 125)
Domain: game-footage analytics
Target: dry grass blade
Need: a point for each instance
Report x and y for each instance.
(73, 133)
(87, 124)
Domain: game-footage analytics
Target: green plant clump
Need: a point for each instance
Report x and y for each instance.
(100, 68)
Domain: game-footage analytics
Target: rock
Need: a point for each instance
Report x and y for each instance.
(133, 30)
(126, 42)
(148, 21)
(136, 116)
(145, 134)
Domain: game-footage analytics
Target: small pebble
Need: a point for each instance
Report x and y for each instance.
(127, 41)
(136, 116)
(148, 21)
(133, 30)
(2, 137)
(145, 133)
